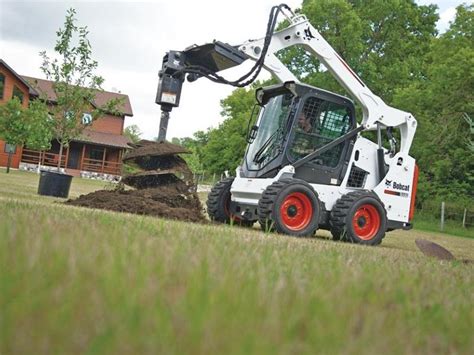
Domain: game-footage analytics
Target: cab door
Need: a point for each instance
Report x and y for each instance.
(318, 122)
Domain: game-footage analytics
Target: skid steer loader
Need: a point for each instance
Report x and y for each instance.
(306, 166)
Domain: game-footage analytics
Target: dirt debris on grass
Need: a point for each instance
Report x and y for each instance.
(434, 250)
(162, 182)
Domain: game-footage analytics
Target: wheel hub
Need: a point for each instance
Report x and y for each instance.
(361, 221)
(292, 211)
(366, 221)
(296, 211)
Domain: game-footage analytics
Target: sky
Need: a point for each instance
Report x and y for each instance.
(130, 38)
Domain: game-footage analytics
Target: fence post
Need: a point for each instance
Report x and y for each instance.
(214, 178)
(442, 216)
(464, 218)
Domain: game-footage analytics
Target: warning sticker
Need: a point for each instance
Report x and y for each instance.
(168, 97)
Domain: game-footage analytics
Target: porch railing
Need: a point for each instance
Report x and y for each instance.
(91, 165)
(101, 166)
(43, 158)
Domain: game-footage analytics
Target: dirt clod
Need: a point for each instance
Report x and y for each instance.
(150, 181)
(433, 250)
(146, 148)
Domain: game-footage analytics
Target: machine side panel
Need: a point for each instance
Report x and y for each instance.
(395, 189)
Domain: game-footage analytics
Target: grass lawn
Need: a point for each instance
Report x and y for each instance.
(77, 280)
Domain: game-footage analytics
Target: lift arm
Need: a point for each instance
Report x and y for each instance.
(376, 114)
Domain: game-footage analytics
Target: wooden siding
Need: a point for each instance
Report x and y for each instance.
(15, 157)
(108, 124)
(10, 81)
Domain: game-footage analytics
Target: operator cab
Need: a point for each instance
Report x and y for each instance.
(294, 121)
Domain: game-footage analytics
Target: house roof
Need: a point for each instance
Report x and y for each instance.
(43, 86)
(19, 77)
(101, 138)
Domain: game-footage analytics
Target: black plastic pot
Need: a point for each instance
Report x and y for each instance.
(54, 184)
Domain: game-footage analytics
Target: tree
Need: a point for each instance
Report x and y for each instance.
(222, 148)
(195, 145)
(226, 144)
(440, 102)
(75, 83)
(133, 133)
(30, 126)
(382, 41)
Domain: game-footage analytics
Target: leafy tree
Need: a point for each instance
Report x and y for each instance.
(30, 126)
(195, 145)
(226, 144)
(382, 41)
(133, 133)
(440, 102)
(75, 83)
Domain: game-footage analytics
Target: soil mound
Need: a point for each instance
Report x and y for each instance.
(171, 201)
(163, 182)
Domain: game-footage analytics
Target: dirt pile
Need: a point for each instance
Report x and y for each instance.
(163, 185)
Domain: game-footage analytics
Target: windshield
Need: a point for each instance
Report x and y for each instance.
(271, 131)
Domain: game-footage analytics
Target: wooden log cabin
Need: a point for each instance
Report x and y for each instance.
(97, 152)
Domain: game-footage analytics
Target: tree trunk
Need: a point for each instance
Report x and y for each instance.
(60, 156)
(39, 161)
(9, 163)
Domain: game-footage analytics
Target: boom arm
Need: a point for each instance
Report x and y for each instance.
(300, 32)
(376, 114)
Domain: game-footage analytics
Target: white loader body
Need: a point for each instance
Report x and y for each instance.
(395, 190)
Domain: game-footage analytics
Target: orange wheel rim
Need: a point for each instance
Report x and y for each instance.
(366, 222)
(231, 216)
(296, 211)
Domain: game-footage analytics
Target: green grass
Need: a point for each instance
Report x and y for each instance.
(429, 223)
(77, 280)
(23, 185)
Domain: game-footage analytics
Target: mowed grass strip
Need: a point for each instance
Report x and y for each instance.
(77, 280)
(23, 185)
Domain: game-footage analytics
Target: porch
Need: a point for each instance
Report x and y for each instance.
(78, 157)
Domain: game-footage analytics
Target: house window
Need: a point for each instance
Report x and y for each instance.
(2, 85)
(18, 93)
(96, 154)
(86, 118)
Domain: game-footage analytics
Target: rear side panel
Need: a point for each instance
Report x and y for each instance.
(396, 188)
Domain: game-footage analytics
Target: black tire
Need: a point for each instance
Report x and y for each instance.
(359, 217)
(302, 212)
(218, 202)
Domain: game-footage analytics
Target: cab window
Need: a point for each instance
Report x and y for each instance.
(318, 123)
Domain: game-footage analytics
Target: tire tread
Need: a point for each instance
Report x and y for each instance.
(340, 211)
